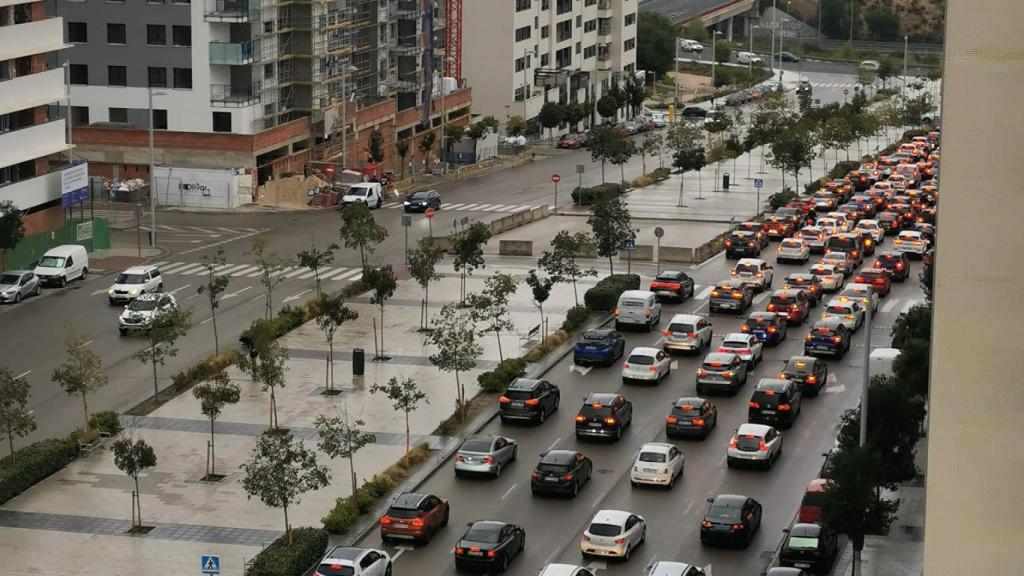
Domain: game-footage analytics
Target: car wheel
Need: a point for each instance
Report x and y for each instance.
(729, 462)
(628, 554)
(122, 332)
(671, 482)
(541, 417)
(159, 287)
(85, 272)
(17, 297)
(37, 290)
(700, 389)
(497, 470)
(515, 454)
(555, 407)
(387, 571)
(504, 562)
(380, 201)
(575, 489)
(618, 433)
(63, 282)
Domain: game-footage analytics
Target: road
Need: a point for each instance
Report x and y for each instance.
(554, 526)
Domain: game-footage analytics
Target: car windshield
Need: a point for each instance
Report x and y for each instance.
(798, 280)
(403, 513)
(518, 394)
(821, 271)
(798, 367)
(552, 468)
(488, 534)
(142, 305)
(605, 529)
(748, 442)
(52, 262)
(792, 244)
(359, 192)
(839, 309)
(746, 268)
(130, 279)
(803, 543)
(782, 300)
(418, 196)
(679, 327)
(639, 359)
(327, 569)
(588, 411)
(734, 344)
(589, 338)
(632, 303)
(9, 279)
(653, 457)
(685, 410)
(477, 445)
(723, 514)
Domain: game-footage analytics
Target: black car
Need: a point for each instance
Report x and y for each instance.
(813, 547)
(774, 401)
(769, 327)
(528, 399)
(694, 112)
(890, 222)
(809, 283)
(489, 545)
(758, 228)
(603, 415)
(672, 284)
(730, 519)
(732, 296)
(742, 243)
(789, 57)
(829, 337)
(561, 471)
(421, 200)
(895, 262)
(598, 346)
(808, 372)
(690, 417)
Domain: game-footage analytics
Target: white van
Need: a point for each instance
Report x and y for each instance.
(637, 308)
(62, 264)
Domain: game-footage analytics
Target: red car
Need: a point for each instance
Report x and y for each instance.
(810, 506)
(879, 278)
(778, 226)
(792, 303)
(414, 516)
(570, 141)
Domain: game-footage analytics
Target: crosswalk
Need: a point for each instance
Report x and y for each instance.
(834, 84)
(341, 273)
(469, 207)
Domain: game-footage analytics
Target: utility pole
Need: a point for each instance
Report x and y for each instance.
(676, 77)
(866, 374)
(771, 52)
(67, 95)
(152, 177)
(905, 46)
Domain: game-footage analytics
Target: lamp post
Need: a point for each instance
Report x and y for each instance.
(905, 45)
(444, 150)
(676, 77)
(526, 66)
(771, 51)
(780, 46)
(152, 166)
(714, 62)
(345, 70)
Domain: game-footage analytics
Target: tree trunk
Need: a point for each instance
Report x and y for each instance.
(352, 471)
(426, 305)
(602, 171)
(138, 497)
(643, 161)
(273, 408)
(611, 269)
(286, 528)
(362, 255)
(497, 336)
(382, 331)
(327, 364)
(575, 294)
(406, 438)
(85, 410)
(622, 173)
(460, 397)
(213, 452)
(542, 331)
(156, 389)
(316, 280)
(10, 442)
(216, 340)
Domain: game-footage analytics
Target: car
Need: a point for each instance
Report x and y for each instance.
(598, 345)
(895, 262)
(672, 285)
(691, 416)
(788, 57)
(847, 313)
(528, 399)
(730, 519)
(145, 310)
(571, 141)
(784, 571)
(694, 112)
(808, 372)
(808, 283)
(810, 505)
(657, 464)
(774, 401)
(891, 222)
(871, 235)
(748, 58)
(831, 278)
(911, 243)
(823, 202)
(828, 337)
(878, 278)
(646, 364)
(746, 346)
(16, 285)
(725, 371)
(691, 45)
(414, 516)
(687, 333)
(369, 193)
(742, 243)
(867, 206)
(613, 534)
(843, 187)
(62, 264)
(754, 444)
(768, 327)
(564, 570)
(815, 238)
(843, 262)
(603, 415)
(810, 546)
(847, 243)
(778, 226)
(792, 250)
(422, 200)
(830, 225)
(732, 296)
(489, 545)
(758, 229)
(872, 65)
(755, 272)
(927, 231)
(637, 308)
(485, 455)
(863, 294)
(134, 282)
(355, 562)
(853, 212)
(561, 471)
(843, 221)
(793, 305)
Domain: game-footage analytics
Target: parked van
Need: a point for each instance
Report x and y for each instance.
(637, 308)
(62, 264)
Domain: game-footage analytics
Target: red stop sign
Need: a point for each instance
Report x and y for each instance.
(555, 178)
(330, 169)
(429, 213)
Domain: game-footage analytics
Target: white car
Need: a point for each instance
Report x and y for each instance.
(564, 570)
(754, 443)
(755, 272)
(355, 562)
(814, 236)
(613, 533)
(871, 227)
(140, 314)
(910, 242)
(691, 46)
(831, 277)
(843, 221)
(829, 225)
(657, 463)
(848, 313)
(862, 293)
(748, 58)
(792, 250)
(369, 193)
(666, 568)
(646, 365)
(746, 346)
(689, 332)
(134, 282)
(872, 65)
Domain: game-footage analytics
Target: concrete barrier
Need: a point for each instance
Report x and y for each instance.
(642, 252)
(503, 224)
(675, 254)
(515, 247)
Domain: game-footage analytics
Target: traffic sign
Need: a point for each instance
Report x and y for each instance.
(209, 565)
(406, 220)
(659, 232)
(429, 213)
(555, 178)
(845, 91)
(329, 169)
(631, 244)
(579, 168)
(758, 183)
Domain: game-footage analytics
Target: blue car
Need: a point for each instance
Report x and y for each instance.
(768, 327)
(827, 337)
(599, 347)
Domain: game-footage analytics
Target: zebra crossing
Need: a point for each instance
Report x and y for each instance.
(834, 84)
(342, 273)
(471, 207)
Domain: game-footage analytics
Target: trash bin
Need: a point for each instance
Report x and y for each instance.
(358, 361)
(725, 181)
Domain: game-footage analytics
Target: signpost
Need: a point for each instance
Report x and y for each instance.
(555, 178)
(629, 247)
(406, 222)
(658, 233)
(209, 565)
(429, 213)
(845, 92)
(758, 184)
(579, 172)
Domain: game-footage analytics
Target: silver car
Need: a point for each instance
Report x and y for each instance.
(663, 568)
(485, 455)
(687, 332)
(16, 285)
(142, 312)
(754, 444)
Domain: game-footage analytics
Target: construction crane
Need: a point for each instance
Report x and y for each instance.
(453, 39)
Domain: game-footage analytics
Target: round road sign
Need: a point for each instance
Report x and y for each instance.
(329, 169)
(429, 213)
(555, 178)
(659, 232)
(845, 91)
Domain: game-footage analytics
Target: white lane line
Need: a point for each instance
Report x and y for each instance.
(761, 297)
(348, 275)
(498, 208)
(689, 506)
(470, 207)
(297, 296)
(910, 304)
(890, 305)
(486, 207)
(282, 271)
(195, 295)
(222, 242)
(166, 227)
(204, 231)
(703, 295)
(84, 344)
(176, 290)
(296, 272)
(455, 206)
(235, 293)
(159, 264)
(206, 321)
(553, 444)
(355, 278)
(509, 491)
(256, 272)
(228, 230)
(258, 297)
(23, 374)
(190, 270)
(310, 273)
(230, 271)
(243, 271)
(100, 291)
(337, 272)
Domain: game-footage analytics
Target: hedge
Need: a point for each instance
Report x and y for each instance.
(35, 462)
(498, 379)
(781, 198)
(587, 196)
(575, 318)
(279, 559)
(843, 168)
(660, 173)
(605, 294)
(106, 421)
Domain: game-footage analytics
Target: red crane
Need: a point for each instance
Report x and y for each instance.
(453, 39)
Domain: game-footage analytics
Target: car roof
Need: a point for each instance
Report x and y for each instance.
(754, 261)
(817, 485)
(689, 400)
(408, 500)
(661, 447)
(858, 287)
(738, 336)
(830, 323)
(523, 384)
(753, 429)
(872, 270)
(723, 357)
(343, 553)
(597, 333)
(664, 568)
(691, 318)
(773, 384)
(493, 524)
(616, 517)
(729, 285)
(559, 570)
(63, 250)
(139, 269)
(637, 294)
(730, 500)
(788, 292)
(763, 314)
(644, 351)
(670, 274)
(805, 529)
(18, 272)
(605, 398)
(149, 296)
(838, 302)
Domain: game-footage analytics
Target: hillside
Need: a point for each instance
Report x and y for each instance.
(923, 20)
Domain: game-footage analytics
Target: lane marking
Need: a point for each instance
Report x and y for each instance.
(243, 271)
(234, 294)
(708, 261)
(339, 272)
(297, 296)
(455, 206)
(761, 297)
(469, 207)
(23, 374)
(890, 305)
(174, 268)
(206, 321)
(222, 242)
(159, 264)
(689, 506)
(189, 269)
(176, 290)
(296, 272)
(204, 231)
(910, 304)
(231, 269)
(348, 274)
(704, 294)
(100, 291)
(553, 444)
(84, 344)
(509, 491)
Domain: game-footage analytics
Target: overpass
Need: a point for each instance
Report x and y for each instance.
(710, 12)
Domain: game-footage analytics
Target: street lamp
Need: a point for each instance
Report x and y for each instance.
(526, 65)
(905, 45)
(714, 61)
(780, 46)
(152, 166)
(444, 151)
(344, 114)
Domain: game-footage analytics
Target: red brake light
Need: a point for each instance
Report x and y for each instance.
(490, 553)
(625, 364)
(586, 538)
(727, 374)
(771, 329)
(763, 447)
(753, 405)
(745, 328)
(732, 443)
(504, 400)
(812, 379)
(458, 552)
(653, 368)
(620, 540)
(488, 460)
(385, 520)
(837, 339)
(784, 407)
(899, 265)
(580, 418)
(609, 421)
(568, 477)
(705, 523)
(691, 334)
(698, 421)
(533, 402)
(417, 523)
(769, 393)
(702, 372)
(336, 566)
(665, 333)
(737, 527)
(671, 420)
(459, 458)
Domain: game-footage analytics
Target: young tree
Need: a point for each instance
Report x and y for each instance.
(266, 362)
(330, 313)
(476, 131)
(281, 470)
(551, 115)
(791, 150)
(271, 269)
(164, 332)
(213, 396)
(82, 370)
(382, 283)
(652, 144)
(16, 420)
(423, 268)
(696, 30)
(541, 290)
(687, 143)
(12, 229)
(605, 143)
(454, 336)
(490, 307)
(610, 222)
(623, 151)
(515, 126)
(914, 324)
(132, 456)
(360, 230)
(453, 133)
(577, 112)
(375, 146)
(342, 437)
(772, 115)
(607, 106)
(655, 42)
(560, 262)
(405, 396)
(402, 147)
(469, 254)
(887, 68)
(213, 288)
(723, 50)
(316, 259)
(426, 144)
(635, 93)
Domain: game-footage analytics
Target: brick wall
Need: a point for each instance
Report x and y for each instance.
(44, 220)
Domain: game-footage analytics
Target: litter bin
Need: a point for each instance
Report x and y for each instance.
(725, 181)
(358, 361)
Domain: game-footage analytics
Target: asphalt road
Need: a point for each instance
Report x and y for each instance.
(554, 525)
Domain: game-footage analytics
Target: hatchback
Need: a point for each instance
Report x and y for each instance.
(730, 519)
(754, 444)
(813, 547)
(602, 346)
(725, 371)
(809, 284)
(896, 263)
(810, 505)
(489, 545)
(746, 346)
(658, 464)
(672, 285)
(774, 401)
(863, 294)
(414, 516)
(18, 284)
(911, 243)
(648, 365)
(134, 282)
(732, 296)
(769, 327)
(561, 471)
(743, 243)
(485, 455)
(691, 417)
(687, 332)
(878, 278)
(422, 200)
(753, 272)
(792, 250)
(808, 372)
(528, 399)
(849, 313)
(829, 337)
(354, 562)
(829, 276)
(613, 533)
(793, 305)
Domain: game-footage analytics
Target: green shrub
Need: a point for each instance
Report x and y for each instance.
(365, 499)
(203, 370)
(34, 463)
(575, 318)
(342, 517)
(106, 421)
(660, 173)
(498, 379)
(641, 181)
(781, 198)
(288, 319)
(587, 196)
(605, 294)
(279, 559)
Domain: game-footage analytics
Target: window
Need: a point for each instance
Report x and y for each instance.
(545, 31)
(579, 21)
(590, 2)
(79, 115)
(159, 119)
(563, 6)
(156, 35)
(117, 76)
(268, 26)
(183, 78)
(544, 59)
(79, 74)
(268, 70)
(523, 5)
(545, 4)
(222, 121)
(157, 77)
(579, 46)
(116, 34)
(181, 35)
(589, 52)
(630, 19)
(629, 45)
(590, 25)
(77, 33)
(522, 33)
(520, 64)
(563, 31)
(118, 114)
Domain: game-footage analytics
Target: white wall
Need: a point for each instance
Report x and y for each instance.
(199, 187)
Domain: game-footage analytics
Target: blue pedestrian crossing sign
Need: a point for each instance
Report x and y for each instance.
(209, 565)
(758, 183)
(631, 244)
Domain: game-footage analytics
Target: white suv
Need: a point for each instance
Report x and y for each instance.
(613, 533)
(134, 282)
(144, 311)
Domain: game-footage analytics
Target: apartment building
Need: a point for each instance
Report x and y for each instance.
(534, 51)
(29, 135)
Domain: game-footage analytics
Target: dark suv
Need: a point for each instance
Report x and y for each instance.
(414, 516)
(775, 402)
(603, 415)
(808, 283)
(743, 243)
(895, 262)
(732, 296)
(768, 327)
(528, 399)
(561, 471)
(691, 417)
(829, 337)
(808, 372)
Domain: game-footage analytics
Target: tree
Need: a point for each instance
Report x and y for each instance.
(342, 437)
(792, 149)
(330, 313)
(718, 124)
(375, 146)
(835, 18)
(616, 92)
(635, 93)
(12, 229)
(422, 267)
(696, 30)
(453, 133)
(551, 115)
(482, 127)
(912, 366)
(213, 395)
(280, 470)
(213, 288)
(865, 77)
(607, 106)
(315, 259)
(605, 143)
(541, 289)
(266, 361)
(469, 254)
(270, 268)
(490, 307)
(164, 331)
(772, 115)
(382, 283)
(577, 112)
(560, 262)
(887, 68)
(653, 144)
(132, 456)
(402, 147)
(426, 144)
(405, 396)
(82, 370)
(16, 420)
(687, 143)
(609, 219)
(914, 324)
(454, 336)
(360, 230)
(883, 23)
(655, 42)
(624, 149)
(832, 134)
(515, 126)
(723, 50)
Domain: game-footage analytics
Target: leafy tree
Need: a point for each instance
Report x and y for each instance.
(635, 93)
(835, 18)
(132, 456)
(655, 39)
(792, 149)
(887, 68)
(687, 143)
(515, 126)
(577, 112)
(621, 153)
(270, 267)
(489, 122)
(12, 229)
(616, 92)
(213, 288)
(280, 470)
(719, 123)
(914, 324)
(375, 146)
(541, 289)
(476, 131)
(360, 230)
(382, 283)
(865, 77)
(163, 333)
(723, 50)
(605, 144)
(695, 30)
(213, 395)
(453, 133)
(426, 144)
(560, 262)
(402, 147)
(423, 268)
(82, 370)
(454, 336)
(883, 23)
(551, 115)
(316, 259)
(833, 134)
(607, 106)
(469, 254)
(610, 222)
(342, 437)
(405, 396)
(911, 368)
(330, 313)
(915, 108)
(653, 144)
(266, 362)
(490, 307)
(16, 420)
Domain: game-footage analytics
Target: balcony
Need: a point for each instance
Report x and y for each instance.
(234, 96)
(605, 28)
(231, 53)
(31, 38)
(230, 11)
(604, 4)
(31, 90)
(407, 46)
(33, 142)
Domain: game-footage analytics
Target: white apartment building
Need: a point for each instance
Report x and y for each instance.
(551, 50)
